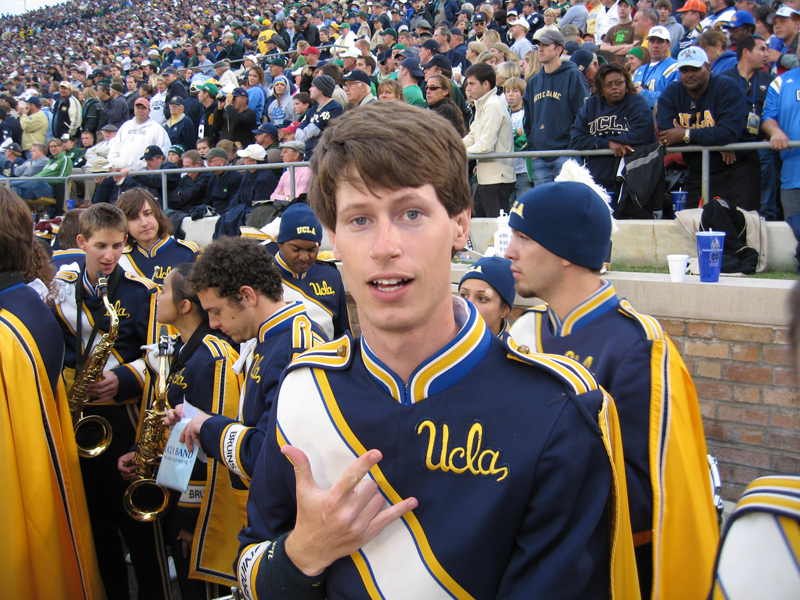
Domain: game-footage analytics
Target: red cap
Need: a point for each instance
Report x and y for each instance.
(694, 5)
(310, 50)
(142, 100)
(291, 128)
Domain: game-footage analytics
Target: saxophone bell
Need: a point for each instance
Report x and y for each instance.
(145, 500)
(93, 433)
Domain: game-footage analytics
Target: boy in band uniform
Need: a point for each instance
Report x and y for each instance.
(561, 236)
(102, 237)
(494, 468)
(239, 285)
(317, 284)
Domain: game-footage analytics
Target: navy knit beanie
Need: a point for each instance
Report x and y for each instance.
(495, 271)
(298, 222)
(567, 218)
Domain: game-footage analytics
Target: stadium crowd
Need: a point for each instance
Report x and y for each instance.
(386, 101)
(112, 80)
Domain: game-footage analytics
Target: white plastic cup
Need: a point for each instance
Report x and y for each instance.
(678, 263)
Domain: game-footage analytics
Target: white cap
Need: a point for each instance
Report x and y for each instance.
(659, 32)
(693, 56)
(253, 151)
(522, 22)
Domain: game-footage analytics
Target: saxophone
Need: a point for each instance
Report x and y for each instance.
(93, 433)
(145, 500)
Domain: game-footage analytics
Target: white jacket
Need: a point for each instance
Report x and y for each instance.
(491, 132)
(133, 139)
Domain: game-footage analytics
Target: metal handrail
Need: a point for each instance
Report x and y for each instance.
(164, 172)
(704, 150)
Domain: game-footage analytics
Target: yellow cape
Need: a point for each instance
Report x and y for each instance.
(47, 551)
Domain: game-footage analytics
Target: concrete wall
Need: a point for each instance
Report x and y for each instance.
(647, 243)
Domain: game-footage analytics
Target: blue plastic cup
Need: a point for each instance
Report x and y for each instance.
(70, 203)
(679, 200)
(710, 245)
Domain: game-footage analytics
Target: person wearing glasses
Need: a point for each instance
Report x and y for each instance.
(439, 92)
(615, 117)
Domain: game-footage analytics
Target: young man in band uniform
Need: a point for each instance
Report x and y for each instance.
(117, 396)
(489, 494)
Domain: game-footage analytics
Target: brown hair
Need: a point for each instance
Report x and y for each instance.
(131, 203)
(393, 86)
(230, 263)
(356, 150)
(607, 69)
(69, 229)
(16, 232)
(194, 157)
(102, 216)
(711, 38)
(39, 265)
(259, 71)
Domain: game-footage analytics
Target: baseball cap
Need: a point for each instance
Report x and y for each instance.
(659, 32)
(310, 50)
(784, 11)
(66, 137)
(412, 64)
(431, 45)
(152, 152)
(291, 128)
(15, 148)
(358, 75)
(143, 101)
(239, 92)
(549, 36)
(64, 84)
(479, 17)
(582, 59)
(267, 128)
(34, 100)
(216, 153)
(739, 18)
(693, 56)
(521, 22)
(176, 100)
(437, 60)
(352, 52)
(253, 151)
(169, 71)
(209, 88)
(695, 5)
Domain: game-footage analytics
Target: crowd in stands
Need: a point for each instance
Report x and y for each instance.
(128, 86)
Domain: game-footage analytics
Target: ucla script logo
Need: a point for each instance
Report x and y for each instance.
(161, 272)
(322, 290)
(254, 370)
(177, 379)
(471, 457)
(120, 310)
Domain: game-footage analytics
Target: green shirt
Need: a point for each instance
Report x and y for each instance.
(60, 166)
(413, 95)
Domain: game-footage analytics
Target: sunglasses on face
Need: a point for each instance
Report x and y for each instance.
(433, 88)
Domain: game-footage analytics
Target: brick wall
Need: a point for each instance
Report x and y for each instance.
(746, 385)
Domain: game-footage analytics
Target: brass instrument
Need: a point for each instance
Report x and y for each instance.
(93, 433)
(145, 500)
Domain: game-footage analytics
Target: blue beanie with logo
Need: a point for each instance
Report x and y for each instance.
(495, 271)
(567, 218)
(298, 222)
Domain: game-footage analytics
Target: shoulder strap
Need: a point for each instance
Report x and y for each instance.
(80, 355)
